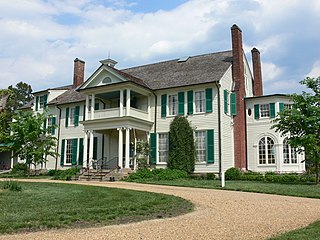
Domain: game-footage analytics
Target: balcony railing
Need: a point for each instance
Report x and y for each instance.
(115, 112)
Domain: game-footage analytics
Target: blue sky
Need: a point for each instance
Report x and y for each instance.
(40, 39)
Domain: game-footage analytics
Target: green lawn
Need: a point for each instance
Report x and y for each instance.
(42, 206)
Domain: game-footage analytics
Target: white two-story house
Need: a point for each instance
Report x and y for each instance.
(105, 116)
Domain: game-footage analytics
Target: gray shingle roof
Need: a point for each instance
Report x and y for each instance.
(28, 105)
(196, 70)
(70, 96)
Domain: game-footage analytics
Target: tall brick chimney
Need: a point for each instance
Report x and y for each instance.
(239, 124)
(257, 74)
(78, 72)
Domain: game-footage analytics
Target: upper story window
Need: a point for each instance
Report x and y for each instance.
(287, 106)
(264, 110)
(163, 147)
(41, 102)
(289, 153)
(71, 116)
(266, 151)
(173, 104)
(200, 101)
(106, 80)
(200, 137)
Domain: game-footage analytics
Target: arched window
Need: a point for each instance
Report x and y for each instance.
(266, 151)
(289, 153)
(106, 80)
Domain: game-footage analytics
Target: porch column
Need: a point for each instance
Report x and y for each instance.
(120, 148)
(92, 105)
(128, 103)
(121, 103)
(87, 107)
(127, 159)
(85, 150)
(91, 149)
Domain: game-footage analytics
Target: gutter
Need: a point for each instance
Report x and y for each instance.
(219, 128)
(56, 166)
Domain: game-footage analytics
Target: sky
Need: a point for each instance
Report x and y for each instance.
(39, 39)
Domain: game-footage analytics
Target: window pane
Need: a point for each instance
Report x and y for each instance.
(41, 102)
(262, 151)
(200, 146)
(173, 104)
(271, 151)
(264, 110)
(71, 116)
(286, 158)
(69, 151)
(163, 147)
(200, 101)
(293, 155)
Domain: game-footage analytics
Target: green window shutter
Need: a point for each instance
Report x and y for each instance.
(74, 151)
(226, 98)
(272, 110)
(45, 124)
(80, 151)
(281, 107)
(208, 100)
(67, 117)
(63, 145)
(45, 100)
(84, 112)
(37, 103)
(163, 105)
(96, 106)
(190, 102)
(95, 148)
(76, 116)
(181, 103)
(53, 129)
(153, 148)
(210, 146)
(256, 111)
(233, 105)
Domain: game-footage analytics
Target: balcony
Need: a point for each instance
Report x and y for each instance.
(115, 112)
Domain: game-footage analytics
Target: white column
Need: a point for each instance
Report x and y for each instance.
(92, 105)
(91, 149)
(127, 160)
(85, 150)
(120, 148)
(149, 107)
(121, 103)
(128, 102)
(135, 150)
(87, 107)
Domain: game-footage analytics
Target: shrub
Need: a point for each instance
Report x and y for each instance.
(52, 172)
(210, 176)
(307, 178)
(252, 176)
(140, 174)
(11, 186)
(19, 168)
(157, 174)
(65, 174)
(233, 174)
(181, 145)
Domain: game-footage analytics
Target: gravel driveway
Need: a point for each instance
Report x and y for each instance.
(218, 215)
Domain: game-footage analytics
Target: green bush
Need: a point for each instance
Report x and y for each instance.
(252, 176)
(20, 169)
(210, 176)
(140, 174)
(157, 174)
(65, 174)
(308, 178)
(233, 174)
(11, 186)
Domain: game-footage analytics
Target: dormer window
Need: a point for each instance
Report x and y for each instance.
(106, 80)
(41, 101)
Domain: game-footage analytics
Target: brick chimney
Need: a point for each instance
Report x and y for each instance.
(78, 72)
(239, 123)
(257, 74)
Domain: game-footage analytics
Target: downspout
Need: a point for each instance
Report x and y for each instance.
(59, 128)
(219, 127)
(155, 112)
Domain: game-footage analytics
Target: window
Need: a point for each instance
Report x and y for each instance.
(41, 102)
(50, 122)
(106, 80)
(163, 147)
(289, 153)
(200, 101)
(69, 151)
(71, 116)
(287, 106)
(266, 151)
(200, 137)
(173, 104)
(264, 110)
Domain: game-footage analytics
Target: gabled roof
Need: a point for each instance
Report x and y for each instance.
(195, 70)
(70, 96)
(68, 87)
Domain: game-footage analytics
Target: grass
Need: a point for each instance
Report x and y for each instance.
(297, 190)
(41, 206)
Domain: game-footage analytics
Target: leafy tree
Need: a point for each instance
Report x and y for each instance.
(29, 139)
(19, 96)
(181, 145)
(301, 123)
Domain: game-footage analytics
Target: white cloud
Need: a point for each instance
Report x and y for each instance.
(270, 71)
(315, 71)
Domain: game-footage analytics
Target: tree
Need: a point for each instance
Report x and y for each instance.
(29, 139)
(19, 96)
(301, 123)
(181, 145)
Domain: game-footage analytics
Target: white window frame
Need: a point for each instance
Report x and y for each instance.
(71, 116)
(289, 153)
(266, 151)
(200, 101)
(287, 106)
(163, 148)
(201, 146)
(68, 152)
(265, 110)
(173, 104)
(41, 102)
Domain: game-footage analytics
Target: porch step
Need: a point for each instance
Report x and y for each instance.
(104, 175)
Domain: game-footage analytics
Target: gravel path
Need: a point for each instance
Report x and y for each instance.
(218, 215)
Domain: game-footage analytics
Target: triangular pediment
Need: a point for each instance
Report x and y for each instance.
(103, 76)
